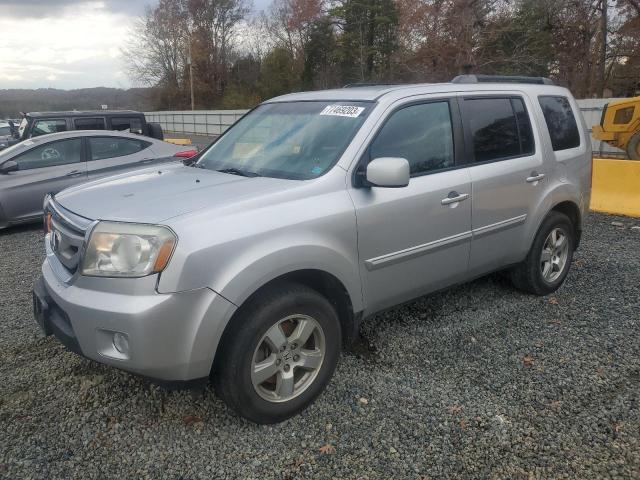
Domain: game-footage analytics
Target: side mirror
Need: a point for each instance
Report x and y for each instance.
(8, 166)
(389, 172)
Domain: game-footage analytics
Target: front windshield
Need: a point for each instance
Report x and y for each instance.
(293, 140)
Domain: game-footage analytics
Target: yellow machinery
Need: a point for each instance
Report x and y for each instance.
(620, 126)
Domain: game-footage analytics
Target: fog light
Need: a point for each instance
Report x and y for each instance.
(121, 343)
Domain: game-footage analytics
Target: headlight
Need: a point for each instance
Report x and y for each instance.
(127, 250)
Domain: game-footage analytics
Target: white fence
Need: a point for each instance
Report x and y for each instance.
(196, 122)
(214, 122)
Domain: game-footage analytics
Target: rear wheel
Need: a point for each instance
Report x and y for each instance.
(280, 353)
(633, 147)
(549, 259)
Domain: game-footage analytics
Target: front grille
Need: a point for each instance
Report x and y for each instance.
(67, 235)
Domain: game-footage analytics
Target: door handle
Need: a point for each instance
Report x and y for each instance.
(535, 177)
(74, 173)
(146, 160)
(454, 197)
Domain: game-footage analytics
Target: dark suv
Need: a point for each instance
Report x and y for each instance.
(41, 123)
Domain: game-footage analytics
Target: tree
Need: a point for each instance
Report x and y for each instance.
(368, 39)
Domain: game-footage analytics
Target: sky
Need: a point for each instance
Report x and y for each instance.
(66, 43)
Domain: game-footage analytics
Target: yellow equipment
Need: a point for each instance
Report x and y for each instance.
(620, 126)
(178, 141)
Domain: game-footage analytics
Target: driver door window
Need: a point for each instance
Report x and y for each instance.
(422, 134)
(62, 152)
(44, 127)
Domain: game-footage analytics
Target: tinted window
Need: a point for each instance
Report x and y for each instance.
(493, 128)
(561, 123)
(524, 127)
(43, 127)
(89, 123)
(420, 133)
(51, 154)
(127, 123)
(5, 131)
(109, 147)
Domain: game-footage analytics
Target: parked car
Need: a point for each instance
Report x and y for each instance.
(6, 134)
(42, 123)
(47, 164)
(312, 212)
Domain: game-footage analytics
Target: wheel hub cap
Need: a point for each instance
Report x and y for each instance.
(288, 358)
(555, 252)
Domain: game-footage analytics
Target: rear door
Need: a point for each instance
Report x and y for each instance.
(110, 155)
(44, 169)
(507, 174)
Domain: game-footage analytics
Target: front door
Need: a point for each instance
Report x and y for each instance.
(44, 169)
(415, 239)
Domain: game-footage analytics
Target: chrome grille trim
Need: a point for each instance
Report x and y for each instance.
(66, 239)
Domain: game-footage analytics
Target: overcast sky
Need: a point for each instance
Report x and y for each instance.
(66, 43)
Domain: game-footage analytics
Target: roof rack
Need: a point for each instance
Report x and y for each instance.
(356, 85)
(501, 79)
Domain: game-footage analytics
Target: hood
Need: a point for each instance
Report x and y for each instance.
(154, 195)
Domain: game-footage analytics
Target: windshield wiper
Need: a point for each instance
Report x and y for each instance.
(237, 171)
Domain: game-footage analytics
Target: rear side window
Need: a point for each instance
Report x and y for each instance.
(127, 123)
(43, 127)
(89, 123)
(499, 128)
(561, 123)
(109, 147)
(422, 134)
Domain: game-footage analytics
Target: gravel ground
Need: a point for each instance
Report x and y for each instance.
(477, 382)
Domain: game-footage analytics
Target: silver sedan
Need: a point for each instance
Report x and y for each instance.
(50, 163)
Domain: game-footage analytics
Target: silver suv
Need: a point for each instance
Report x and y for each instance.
(256, 263)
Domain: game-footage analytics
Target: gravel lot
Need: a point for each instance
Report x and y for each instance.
(477, 382)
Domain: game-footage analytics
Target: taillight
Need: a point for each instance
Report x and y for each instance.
(186, 154)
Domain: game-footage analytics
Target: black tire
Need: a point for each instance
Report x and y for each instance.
(633, 147)
(234, 362)
(527, 276)
(155, 131)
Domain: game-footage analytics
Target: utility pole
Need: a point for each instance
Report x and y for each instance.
(193, 101)
(604, 24)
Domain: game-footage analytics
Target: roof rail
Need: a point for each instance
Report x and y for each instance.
(501, 79)
(364, 84)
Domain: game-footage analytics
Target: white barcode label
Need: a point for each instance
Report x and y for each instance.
(342, 111)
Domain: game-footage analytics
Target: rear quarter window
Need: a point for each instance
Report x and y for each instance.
(561, 123)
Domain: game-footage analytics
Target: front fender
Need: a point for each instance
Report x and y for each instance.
(246, 275)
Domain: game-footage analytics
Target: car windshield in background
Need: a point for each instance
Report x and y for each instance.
(293, 140)
(5, 130)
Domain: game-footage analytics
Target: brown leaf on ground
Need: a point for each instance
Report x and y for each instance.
(455, 409)
(327, 449)
(555, 405)
(463, 424)
(191, 419)
(527, 360)
(553, 301)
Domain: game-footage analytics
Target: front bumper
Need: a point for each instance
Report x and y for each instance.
(172, 337)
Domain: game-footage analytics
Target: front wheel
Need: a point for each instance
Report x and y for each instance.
(280, 353)
(549, 259)
(633, 147)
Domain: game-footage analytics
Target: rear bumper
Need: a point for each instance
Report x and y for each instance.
(171, 338)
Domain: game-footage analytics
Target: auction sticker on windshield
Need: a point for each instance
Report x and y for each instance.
(342, 111)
